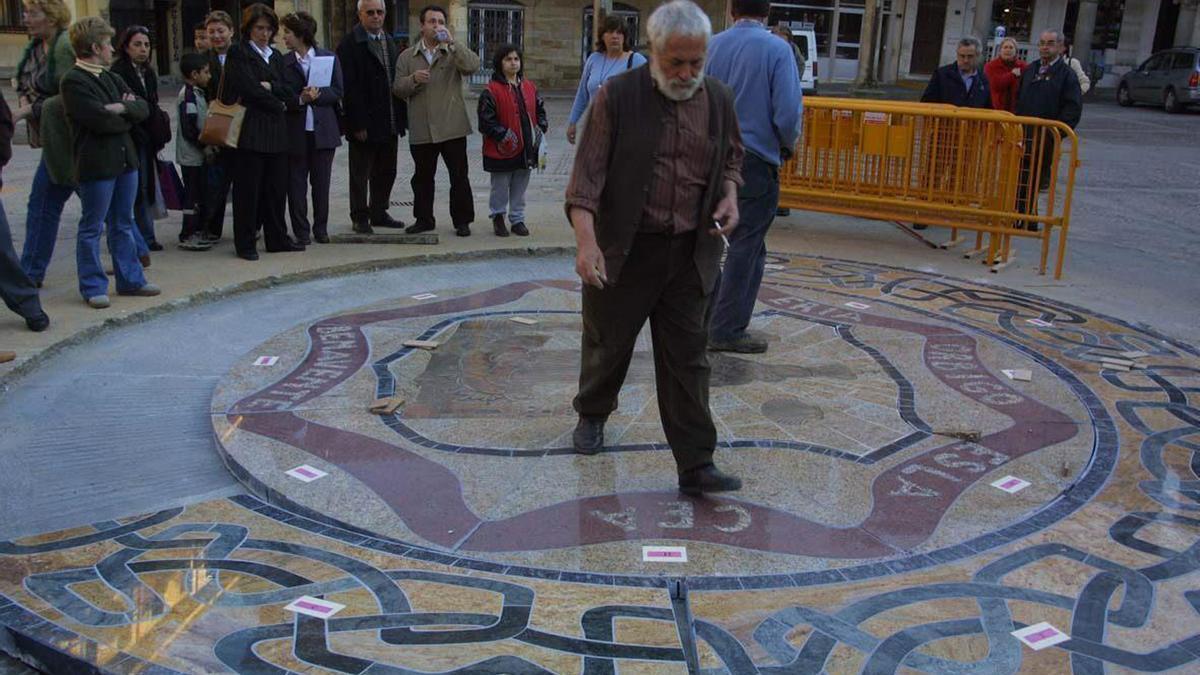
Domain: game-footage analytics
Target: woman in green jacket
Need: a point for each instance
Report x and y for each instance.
(101, 111)
(46, 59)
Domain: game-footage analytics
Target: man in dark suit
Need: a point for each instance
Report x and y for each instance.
(313, 135)
(220, 172)
(374, 119)
(961, 83)
(1049, 89)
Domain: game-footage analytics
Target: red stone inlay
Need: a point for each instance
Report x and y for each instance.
(909, 499)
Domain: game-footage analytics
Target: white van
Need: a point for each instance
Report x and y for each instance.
(806, 38)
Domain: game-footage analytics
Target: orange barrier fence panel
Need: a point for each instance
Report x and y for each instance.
(937, 165)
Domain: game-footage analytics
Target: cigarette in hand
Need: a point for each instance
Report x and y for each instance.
(717, 224)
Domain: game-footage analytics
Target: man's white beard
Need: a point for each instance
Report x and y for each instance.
(674, 89)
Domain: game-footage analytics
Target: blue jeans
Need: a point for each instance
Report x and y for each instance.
(46, 202)
(737, 287)
(110, 199)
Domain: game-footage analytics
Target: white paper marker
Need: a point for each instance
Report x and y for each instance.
(857, 305)
(322, 609)
(1038, 322)
(522, 320)
(1134, 355)
(424, 296)
(266, 360)
(306, 473)
(1040, 636)
(1019, 375)
(1011, 484)
(671, 554)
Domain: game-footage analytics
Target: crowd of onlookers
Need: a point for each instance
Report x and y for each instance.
(257, 123)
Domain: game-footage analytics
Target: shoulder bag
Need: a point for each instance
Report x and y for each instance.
(223, 125)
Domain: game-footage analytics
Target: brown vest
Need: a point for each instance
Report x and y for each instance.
(635, 130)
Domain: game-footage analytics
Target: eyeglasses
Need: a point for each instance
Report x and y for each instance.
(374, 12)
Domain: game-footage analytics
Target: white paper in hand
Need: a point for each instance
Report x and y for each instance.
(320, 71)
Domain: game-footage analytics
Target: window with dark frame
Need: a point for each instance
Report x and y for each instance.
(10, 16)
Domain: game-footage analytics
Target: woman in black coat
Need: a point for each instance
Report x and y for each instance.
(254, 75)
(313, 135)
(133, 65)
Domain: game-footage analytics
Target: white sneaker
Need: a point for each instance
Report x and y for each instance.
(98, 302)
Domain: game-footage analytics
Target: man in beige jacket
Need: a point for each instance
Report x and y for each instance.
(429, 77)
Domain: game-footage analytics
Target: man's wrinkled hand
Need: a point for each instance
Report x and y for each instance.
(726, 214)
(589, 265)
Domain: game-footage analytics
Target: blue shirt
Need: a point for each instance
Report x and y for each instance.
(596, 70)
(760, 68)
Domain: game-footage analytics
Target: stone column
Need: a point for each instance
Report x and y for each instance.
(458, 20)
(1186, 28)
(1085, 27)
(983, 20)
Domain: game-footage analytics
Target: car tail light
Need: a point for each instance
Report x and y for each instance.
(1194, 80)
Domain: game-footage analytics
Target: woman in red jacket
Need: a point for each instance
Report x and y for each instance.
(1004, 76)
(512, 119)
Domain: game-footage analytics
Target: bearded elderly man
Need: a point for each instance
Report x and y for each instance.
(658, 163)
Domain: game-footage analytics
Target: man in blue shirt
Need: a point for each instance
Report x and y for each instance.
(761, 70)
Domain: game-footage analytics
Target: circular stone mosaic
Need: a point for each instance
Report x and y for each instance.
(882, 431)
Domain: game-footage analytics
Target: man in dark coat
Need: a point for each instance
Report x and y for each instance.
(16, 289)
(961, 83)
(1049, 89)
(374, 119)
(659, 161)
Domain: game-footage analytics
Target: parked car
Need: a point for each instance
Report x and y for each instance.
(1170, 78)
(806, 39)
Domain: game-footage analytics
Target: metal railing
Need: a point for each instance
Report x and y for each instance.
(964, 169)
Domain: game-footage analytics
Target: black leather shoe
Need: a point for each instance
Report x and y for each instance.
(154, 246)
(464, 231)
(249, 255)
(743, 344)
(707, 478)
(362, 228)
(589, 435)
(418, 228)
(389, 223)
(38, 323)
(520, 230)
(288, 247)
(498, 225)
(321, 238)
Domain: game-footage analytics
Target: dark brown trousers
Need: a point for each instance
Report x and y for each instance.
(659, 282)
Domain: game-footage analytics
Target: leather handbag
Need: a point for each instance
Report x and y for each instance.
(223, 125)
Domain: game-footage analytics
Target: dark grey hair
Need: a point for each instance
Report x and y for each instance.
(1058, 35)
(971, 41)
(678, 18)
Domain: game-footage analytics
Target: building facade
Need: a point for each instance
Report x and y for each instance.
(912, 37)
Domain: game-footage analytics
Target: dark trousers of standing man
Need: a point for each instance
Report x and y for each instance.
(259, 194)
(659, 282)
(220, 178)
(373, 168)
(313, 167)
(16, 289)
(462, 203)
(737, 288)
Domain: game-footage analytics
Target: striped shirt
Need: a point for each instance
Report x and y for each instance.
(681, 166)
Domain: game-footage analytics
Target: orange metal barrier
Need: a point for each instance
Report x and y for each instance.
(934, 164)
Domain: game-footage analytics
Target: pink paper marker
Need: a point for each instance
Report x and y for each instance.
(305, 472)
(313, 607)
(1010, 483)
(1045, 634)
